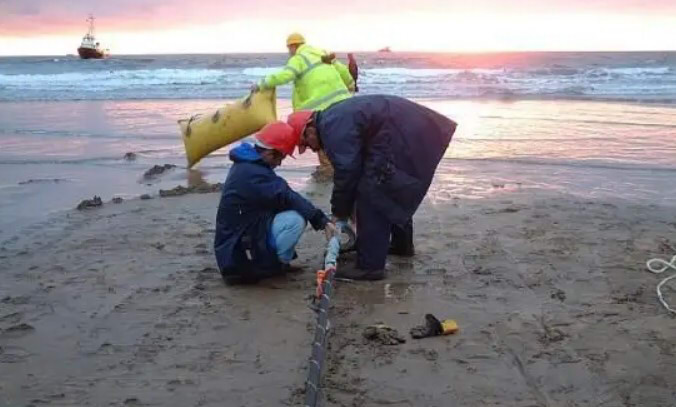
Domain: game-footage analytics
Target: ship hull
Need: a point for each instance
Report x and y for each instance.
(89, 53)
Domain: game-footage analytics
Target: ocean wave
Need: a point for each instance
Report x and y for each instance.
(657, 83)
(260, 71)
(520, 73)
(427, 72)
(202, 76)
(662, 70)
(115, 78)
(559, 71)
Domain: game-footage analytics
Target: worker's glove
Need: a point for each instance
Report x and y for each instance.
(348, 238)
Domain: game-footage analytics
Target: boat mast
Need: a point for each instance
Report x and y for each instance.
(90, 20)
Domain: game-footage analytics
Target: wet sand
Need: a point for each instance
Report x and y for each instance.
(76, 149)
(122, 306)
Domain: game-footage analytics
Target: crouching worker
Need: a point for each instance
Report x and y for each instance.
(260, 218)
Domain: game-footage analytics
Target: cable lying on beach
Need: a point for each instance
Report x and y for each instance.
(319, 344)
(664, 267)
(323, 297)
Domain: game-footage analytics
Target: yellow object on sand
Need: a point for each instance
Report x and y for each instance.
(203, 134)
(448, 327)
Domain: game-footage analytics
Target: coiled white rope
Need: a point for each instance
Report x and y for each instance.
(664, 266)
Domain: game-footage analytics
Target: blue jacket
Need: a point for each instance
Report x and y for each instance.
(251, 197)
(384, 149)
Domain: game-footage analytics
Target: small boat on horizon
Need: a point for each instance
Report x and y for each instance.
(90, 48)
(385, 50)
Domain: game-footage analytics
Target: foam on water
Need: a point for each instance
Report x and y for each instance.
(618, 76)
(259, 71)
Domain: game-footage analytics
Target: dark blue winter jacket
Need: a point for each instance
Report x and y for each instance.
(384, 149)
(252, 195)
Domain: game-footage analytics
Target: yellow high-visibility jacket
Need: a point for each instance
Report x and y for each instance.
(317, 85)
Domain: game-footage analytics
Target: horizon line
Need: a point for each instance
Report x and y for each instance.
(361, 52)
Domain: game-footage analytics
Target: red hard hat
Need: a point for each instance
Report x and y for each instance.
(298, 120)
(279, 136)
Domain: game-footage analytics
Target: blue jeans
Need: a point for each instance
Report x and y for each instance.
(286, 230)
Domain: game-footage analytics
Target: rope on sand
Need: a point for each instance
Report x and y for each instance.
(664, 267)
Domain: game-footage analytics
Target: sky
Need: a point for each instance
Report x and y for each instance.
(55, 27)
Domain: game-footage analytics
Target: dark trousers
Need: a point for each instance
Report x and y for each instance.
(374, 231)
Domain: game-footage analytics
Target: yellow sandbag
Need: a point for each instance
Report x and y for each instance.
(203, 134)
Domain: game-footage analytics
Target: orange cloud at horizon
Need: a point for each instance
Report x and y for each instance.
(409, 31)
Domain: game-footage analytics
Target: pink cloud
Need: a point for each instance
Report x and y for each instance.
(39, 17)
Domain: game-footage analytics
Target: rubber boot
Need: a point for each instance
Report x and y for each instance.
(402, 240)
(350, 272)
(239, 280)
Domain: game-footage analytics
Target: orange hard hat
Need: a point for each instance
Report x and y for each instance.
(278, 136)
(298, 121)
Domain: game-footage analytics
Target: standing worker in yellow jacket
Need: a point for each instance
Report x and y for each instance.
(319, 80)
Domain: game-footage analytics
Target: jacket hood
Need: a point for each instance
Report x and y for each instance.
(308, 49)
(245, 152)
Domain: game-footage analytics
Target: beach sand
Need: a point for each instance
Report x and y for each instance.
(123, 306)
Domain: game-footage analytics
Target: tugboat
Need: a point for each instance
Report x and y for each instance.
(90, 48)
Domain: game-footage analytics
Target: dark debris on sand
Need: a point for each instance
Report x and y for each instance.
(20, 328)
(42, 181)
(158, 170)
(383, 334)
(203, 188)
(90, 203)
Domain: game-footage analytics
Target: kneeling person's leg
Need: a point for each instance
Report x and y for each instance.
(287, 228)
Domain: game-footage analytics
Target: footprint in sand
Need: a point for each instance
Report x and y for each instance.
(13, 354)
